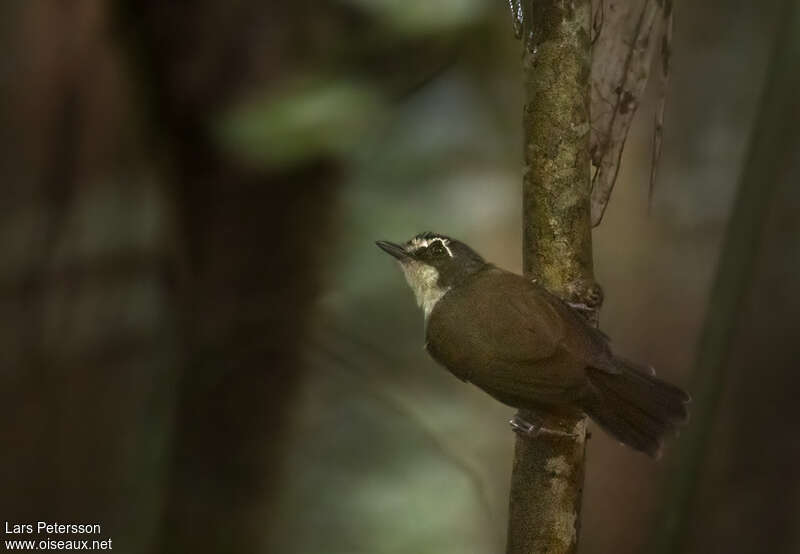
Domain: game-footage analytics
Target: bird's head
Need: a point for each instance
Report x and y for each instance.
(433, 264)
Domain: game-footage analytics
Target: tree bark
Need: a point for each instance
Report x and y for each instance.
(547, 476)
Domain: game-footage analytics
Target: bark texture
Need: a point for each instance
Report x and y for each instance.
(547, 477)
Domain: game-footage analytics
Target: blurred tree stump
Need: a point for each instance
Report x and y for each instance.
(746, 363)
(157, 289)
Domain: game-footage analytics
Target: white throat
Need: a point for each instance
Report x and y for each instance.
(423, 280)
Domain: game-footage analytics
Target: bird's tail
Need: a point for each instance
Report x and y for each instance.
(634, 406)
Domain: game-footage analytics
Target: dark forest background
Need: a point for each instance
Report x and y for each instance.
(203, 351)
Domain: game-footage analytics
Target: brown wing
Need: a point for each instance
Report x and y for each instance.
(506, 335)
(582, 339)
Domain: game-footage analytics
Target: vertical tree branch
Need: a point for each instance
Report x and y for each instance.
(547, 477)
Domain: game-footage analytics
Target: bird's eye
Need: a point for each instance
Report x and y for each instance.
(437, 249)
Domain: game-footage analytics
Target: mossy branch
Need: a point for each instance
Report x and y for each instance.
(547, 477)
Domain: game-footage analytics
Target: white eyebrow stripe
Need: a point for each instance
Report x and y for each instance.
(449, 252)
(418, 243)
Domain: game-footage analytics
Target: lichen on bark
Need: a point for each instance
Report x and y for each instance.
(547, 477)
(556, 70)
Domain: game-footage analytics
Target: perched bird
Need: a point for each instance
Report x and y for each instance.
(527, 348)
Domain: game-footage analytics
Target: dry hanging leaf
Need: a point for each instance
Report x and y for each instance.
(627, 33)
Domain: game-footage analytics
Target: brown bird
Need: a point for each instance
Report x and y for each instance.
(527, 348)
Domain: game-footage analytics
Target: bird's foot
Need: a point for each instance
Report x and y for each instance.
(524, 427)
(585, 297)
(580, 306)
(534, 429)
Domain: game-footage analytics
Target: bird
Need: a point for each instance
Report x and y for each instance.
(527, 348)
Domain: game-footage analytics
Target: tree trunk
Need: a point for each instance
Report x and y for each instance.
(156, 290)
(547, 477)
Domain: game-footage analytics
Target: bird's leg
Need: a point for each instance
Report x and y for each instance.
(522, 22)
(517, 16)
(535, 428)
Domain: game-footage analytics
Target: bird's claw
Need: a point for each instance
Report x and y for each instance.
(526, 428)
(523, 427)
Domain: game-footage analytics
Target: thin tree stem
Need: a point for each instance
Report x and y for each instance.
(547, 477)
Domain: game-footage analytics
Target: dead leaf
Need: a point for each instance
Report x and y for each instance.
(626, 35)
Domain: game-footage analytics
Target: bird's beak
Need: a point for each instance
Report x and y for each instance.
(393, 249)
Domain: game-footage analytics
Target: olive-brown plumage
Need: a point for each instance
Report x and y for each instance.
(527, 348)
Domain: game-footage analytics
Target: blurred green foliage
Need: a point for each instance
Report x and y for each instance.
(303, 121)
(420, 17)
